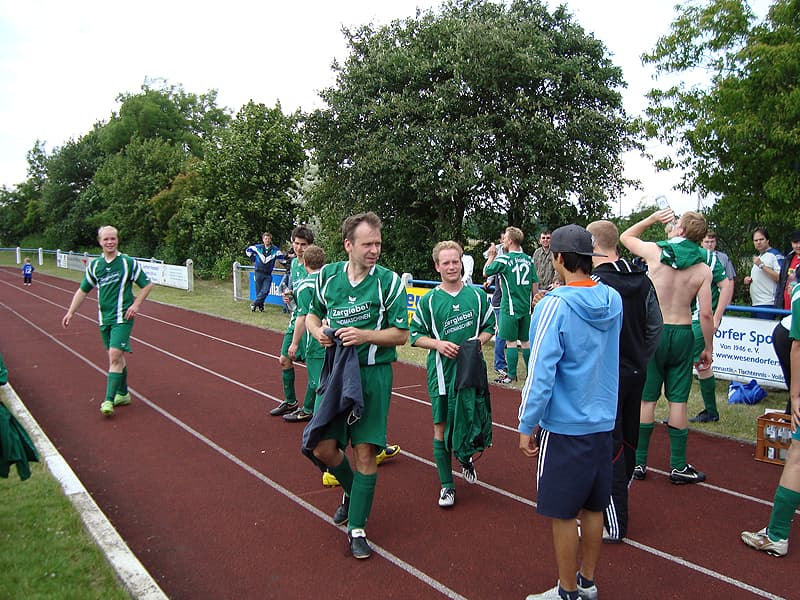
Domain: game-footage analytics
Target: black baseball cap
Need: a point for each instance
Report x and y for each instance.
(573, 238)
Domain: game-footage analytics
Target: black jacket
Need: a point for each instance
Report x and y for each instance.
(782, 277)
(340, 387)
(641, 314)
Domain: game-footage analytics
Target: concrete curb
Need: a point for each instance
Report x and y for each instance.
(129, 570)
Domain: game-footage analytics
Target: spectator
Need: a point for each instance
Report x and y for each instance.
(264, 256)
(763, 278)
(788, 274)
(543, 262)
(571, 394)
(27, 271)
(774, 538)
(710, 243)
(641, 327)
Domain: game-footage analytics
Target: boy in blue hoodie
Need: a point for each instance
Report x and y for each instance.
(571, 394)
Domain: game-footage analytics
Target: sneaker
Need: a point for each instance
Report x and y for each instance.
(253, 308)
(760, 541)
(468, 470)
(447, 497)
(297, 416)
(551, 594)
(640, 472)
(340, 517)
(107, 408)
(587, 593)
(122, 399)
(261, 308)
(388, 453)
(501, 372)
(504, 379)
(704, 417)
(283, 408)
(359, 547)
(687, 474)
(329, 479)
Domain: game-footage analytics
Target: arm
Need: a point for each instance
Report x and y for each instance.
(443, 347)
(297, 335)
(794, 391)
(769, 265)
(314, 326)
(725, 296)
(706, 320)
(77, 300)
(631, 237)
(134, 308)
(491, 255)
(353, 336)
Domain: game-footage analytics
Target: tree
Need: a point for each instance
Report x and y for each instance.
(480, 107)
(736, 134)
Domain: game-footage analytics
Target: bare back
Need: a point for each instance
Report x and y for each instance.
(677, 289)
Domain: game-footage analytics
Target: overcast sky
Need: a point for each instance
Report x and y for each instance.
(62, 64)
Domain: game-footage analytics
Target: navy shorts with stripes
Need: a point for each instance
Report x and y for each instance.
(573, 473)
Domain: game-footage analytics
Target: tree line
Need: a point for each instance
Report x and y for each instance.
(450, 124)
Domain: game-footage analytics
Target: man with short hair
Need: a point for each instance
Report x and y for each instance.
(680, 276)
(518, 281)
(571, 394)
(264, 256)
(302, 237)
(788, 274)
(447, 319)
(763, 278)
(113, 274)
(543, 261)
(641, 328)
(365, 307)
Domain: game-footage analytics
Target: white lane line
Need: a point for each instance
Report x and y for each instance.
(392, 558)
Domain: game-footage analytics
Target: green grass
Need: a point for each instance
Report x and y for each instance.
(46, 552)
(54, 557)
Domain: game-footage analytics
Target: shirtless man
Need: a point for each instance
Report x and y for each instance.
(680, 276)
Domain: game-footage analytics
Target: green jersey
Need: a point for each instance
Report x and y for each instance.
(377, 302)
(114, 282)
(516, 276)
(297, 273)
(303, 295)
(717, 275)
(794, 332)
(454, 318)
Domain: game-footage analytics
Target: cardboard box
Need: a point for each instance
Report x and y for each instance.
(773, 437)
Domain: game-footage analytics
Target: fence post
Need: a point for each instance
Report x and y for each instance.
(19, 260)
(41, 257)
(190, 273)
(237, 284)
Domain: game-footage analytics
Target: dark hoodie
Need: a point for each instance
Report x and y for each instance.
(641, 315)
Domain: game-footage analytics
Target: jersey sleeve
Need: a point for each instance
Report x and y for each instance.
(421, 321)
(138, 275)
(396, 303)
(89, 281)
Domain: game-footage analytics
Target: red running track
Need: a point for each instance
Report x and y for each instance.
(214, 497)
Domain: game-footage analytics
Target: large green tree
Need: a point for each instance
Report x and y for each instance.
(478, 107)
(735, 131)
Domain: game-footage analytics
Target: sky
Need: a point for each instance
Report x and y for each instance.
(63, 64)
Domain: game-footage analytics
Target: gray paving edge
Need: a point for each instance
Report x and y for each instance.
(136, 580)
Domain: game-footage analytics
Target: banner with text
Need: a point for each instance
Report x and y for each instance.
(743, 351)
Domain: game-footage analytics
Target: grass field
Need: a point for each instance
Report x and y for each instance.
(54, 557)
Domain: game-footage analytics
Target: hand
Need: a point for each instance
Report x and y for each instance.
(748, 280)
(65, 320)
(352, 336)
(132, 311)
(664, 215)
(537, 298)
(291, 351)
(705, 361)
(448, 349)
(528, 445)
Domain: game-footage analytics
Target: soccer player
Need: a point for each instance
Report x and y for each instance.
(446, 318)
(365, 304)
(517, 278)
(302, 237)
(113, 274)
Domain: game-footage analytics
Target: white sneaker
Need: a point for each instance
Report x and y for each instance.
(551, 594)
(468, 471)
(447, 497)
(761, 541)
(587, 593)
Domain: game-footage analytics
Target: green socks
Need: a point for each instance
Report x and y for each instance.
(677, 447)
(288, 386)
(645, 431)
(113, 385)
(780, 521)
(512, 356)
(361, 499)
(344, 474)
(123, 385)
(708, 391)
(310, 398)
(526, 357)
(444, 463)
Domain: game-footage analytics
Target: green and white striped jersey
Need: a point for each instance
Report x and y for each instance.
(114, 282)
(377, 302)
